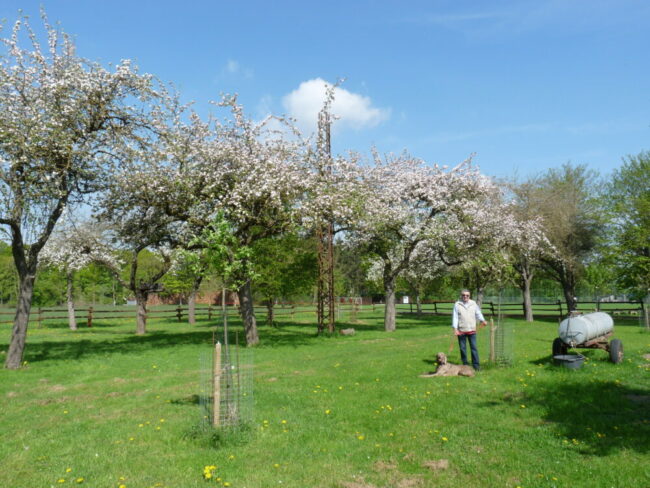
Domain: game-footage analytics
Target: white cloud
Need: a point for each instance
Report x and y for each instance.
(232, 66)
(351, 110)
(234, 69)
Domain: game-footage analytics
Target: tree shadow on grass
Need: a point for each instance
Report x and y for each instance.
(106, 338)
(596, 417)
(85, 342)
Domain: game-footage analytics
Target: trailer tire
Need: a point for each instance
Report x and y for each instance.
(616, 351)
(559, 347)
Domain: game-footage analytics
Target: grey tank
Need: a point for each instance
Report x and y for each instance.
(582, 328)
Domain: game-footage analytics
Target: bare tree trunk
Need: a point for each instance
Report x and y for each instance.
(480, 292)
(26, 278)
(526, 281)
(568, 282)
(389, 313)
(191, 300)
(248, 313)
(141, 298)
(418, 302)
(270, 311)
(72, 321)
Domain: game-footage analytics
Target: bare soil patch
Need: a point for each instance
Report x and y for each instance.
(436, 465)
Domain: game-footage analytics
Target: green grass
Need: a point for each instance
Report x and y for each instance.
(118, 409)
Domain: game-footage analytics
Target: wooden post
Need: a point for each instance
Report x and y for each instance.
(493, 354)
(40, 318)
(179, 313)
(89, 319)
(216, 385)
(210, 312)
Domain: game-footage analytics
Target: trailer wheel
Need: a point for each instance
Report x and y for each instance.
(616, 351)
(559, 347)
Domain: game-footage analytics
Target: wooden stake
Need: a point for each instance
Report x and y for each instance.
(216, 385)
(493, 354)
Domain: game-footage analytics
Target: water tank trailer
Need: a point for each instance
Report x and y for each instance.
(590, 331)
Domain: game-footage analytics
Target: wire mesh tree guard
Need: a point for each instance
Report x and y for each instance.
(501, 340)
(226, 398)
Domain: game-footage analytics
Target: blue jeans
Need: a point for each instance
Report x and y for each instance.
(463, 349)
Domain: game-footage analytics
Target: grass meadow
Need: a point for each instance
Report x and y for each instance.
(102, 407)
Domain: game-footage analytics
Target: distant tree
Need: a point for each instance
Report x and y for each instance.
(567, 200)
(71, 248)
(424, 269)
(96, 284)
(8, 275)
(64, 122)
(526, 251)
(285, 266)
(189, 269)
(628, 197)
(598, 278)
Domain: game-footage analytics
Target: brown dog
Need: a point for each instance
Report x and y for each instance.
(447, 369)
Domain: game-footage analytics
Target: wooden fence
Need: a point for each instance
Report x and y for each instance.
(87, 316)
(556, 309)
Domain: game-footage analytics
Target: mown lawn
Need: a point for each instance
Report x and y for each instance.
(104, 408)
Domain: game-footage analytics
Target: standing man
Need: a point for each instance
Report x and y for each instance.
(465, 315)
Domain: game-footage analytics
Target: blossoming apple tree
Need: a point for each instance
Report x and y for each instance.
(71, 248)
(409, 203)
(256, 179)
(63, 124)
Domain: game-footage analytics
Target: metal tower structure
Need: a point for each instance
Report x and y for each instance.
(325, 232)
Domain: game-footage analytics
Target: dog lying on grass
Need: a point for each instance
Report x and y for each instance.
(447, 369)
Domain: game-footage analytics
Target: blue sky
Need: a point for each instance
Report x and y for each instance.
(526, 85)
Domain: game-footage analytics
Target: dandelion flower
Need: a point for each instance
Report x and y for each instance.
(328, 411)
(61, 480)
(67, 470)
(79, 480)
(445, 439)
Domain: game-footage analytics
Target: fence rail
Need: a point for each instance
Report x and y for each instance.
(541, 310)
(556, 309)
(90, 314)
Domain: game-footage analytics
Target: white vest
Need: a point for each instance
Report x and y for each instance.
(466, 315)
